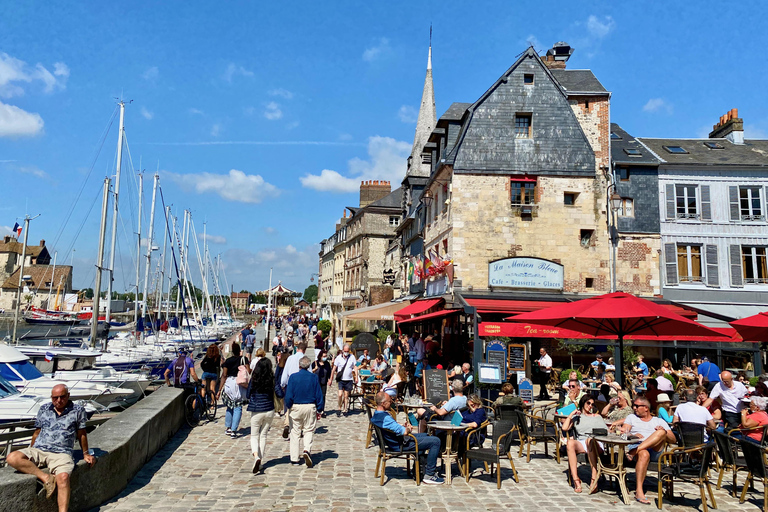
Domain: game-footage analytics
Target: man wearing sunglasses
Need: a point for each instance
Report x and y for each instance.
(57, 426)
(652, 433)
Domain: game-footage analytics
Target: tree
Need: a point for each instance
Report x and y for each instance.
(310, 293)
(571, 347)
(88, 293)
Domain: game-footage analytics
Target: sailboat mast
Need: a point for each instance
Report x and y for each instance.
(150, 241)
(99, 263)
(161, 279)
(53, 275)
(120, 138)
(138, 256)
(180, 243)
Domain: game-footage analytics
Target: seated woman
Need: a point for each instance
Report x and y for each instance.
(583, 421)
(666, 367)
(399, 376)
(610, 379)
(473, 416)
(753, 418)
(618, 409)
(507, 395)
(664, 409)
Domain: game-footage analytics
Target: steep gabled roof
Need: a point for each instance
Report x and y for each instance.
(576, 81)
(39, 277)
(455, 112)
(392, 200)
(624, 147)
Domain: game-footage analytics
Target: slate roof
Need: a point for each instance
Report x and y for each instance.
(626, 141)
(392, 200)
(40, 276)
(753, 153)
(455, 112)
(578, 81)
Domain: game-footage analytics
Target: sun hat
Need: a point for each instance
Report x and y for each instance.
(663, 397)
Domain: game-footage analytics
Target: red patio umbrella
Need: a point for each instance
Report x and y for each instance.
(753, 328)
(616, 314)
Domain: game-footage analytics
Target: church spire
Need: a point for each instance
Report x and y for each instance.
(426, 122)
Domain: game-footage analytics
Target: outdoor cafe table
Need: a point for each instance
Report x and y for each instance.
(615, 467)
(370, 385)
(448, 455)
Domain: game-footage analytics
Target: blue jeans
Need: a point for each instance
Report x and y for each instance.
(412, 357)
(232, 417)
(429, 444)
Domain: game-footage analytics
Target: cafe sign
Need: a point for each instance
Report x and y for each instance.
(525, 273)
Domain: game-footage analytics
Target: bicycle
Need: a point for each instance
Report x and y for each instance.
(196, 407)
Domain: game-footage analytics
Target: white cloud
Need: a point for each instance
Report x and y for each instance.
(345, 137)
(196, 112)
(14, 71)
(233, 186)
(235, 70)
(657, 105)
(387, 161)
(215, 130)
(408, 114)
(273, 111)
(146, 113)
(151, 74)
(532, 41)
(281, 93)
(15, 122)
(34, 171)
(270, 230)
(290, 249)
(292, 125)
(378, 50)
(291, 265)
(213, 239)
(599, 28)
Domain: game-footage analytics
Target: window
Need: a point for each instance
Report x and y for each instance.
(523, 192)
(528, 79)
(586, 106)
(444, 198)
(589, 282)
(523, 126)
(586, 237)
(569, 198)
(689, 263)
(676, 150)
(633, 152)
(685, 196)
(615, 136)
(750, 204)
(627, 208)
(754, 265)
(624, 173)
(713, 145)
(394, 220)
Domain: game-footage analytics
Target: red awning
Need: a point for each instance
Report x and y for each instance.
(522, 330)
(509, 306)
(436, 314)
(416, 308)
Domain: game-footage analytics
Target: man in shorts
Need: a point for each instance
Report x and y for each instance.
(344, 365)
(652, 433)
(57, 426)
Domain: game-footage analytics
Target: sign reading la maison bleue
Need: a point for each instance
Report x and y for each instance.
(525, 273)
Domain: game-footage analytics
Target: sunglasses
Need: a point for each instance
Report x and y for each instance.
(639, 405)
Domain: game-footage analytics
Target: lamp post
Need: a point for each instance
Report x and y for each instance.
(615, 205)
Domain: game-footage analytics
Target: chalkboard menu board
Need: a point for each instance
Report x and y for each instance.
(366, 340)
(498, 357)
(516, 359)
(436, 386)
(526, 390)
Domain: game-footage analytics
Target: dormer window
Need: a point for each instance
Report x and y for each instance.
(633, 152)
(615, 136)
(675, 150)
(713, 145)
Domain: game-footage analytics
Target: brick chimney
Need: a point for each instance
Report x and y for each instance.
(730, 126)
(558, 55)
(373, 190)
(42, 243)
(7, 239)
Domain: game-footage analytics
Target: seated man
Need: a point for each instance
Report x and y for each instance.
(638, 383)
(379, 365)
(652, 433)
(458, 401)
(364, 357)
(574, 393)
(690, 412)
(57, 426)
(429, 444)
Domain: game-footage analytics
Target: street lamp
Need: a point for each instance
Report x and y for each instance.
(615, 205)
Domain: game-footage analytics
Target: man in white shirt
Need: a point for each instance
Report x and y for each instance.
(690, 412)
(344, 365)
(545, 368)
(730, 393)
(652, 433)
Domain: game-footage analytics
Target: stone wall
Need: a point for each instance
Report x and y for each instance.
(122, 445)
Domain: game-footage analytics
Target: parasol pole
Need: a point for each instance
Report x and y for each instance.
(620, 362)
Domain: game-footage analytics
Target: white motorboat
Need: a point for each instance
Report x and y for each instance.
(17, 407)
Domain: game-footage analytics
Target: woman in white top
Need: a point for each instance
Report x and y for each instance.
(399, 376)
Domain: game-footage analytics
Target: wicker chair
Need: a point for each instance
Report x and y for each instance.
(677, 465)
(386, 453)
(754, 455)
(729, 459)
(689, 434)
(501, 446)
(539, 429)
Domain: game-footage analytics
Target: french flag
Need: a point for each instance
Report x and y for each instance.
(17, 229)
(48, 356)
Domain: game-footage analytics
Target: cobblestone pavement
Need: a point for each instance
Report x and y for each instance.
(202, 469)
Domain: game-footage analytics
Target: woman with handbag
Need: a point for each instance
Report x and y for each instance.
(231, 393)
(261, 405)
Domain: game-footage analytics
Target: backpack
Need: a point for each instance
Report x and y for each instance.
(243, 374)
(179, 366)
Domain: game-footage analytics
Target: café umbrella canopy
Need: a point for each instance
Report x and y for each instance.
(753, 328)
(616, 314)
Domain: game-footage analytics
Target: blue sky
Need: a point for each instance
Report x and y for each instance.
(263, 117)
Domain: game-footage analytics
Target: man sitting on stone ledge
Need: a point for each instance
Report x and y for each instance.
(57, 426)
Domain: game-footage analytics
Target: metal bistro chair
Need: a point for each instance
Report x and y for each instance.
(677, 465)
(386, 453)
(729, 459)
(689, 434)
(754, 456)
(501, 446)
(540, 429)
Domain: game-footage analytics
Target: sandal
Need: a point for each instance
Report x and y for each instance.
(593, 486)
(577, 486)
(644, 501)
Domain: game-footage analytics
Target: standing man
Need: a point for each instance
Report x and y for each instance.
(250, 342)
(709, 371)
(319, 343)
(304, 400)
(344, 365)
(421, 348)
(57, 426)
(545, 368)
(291, 367)
(730, 393)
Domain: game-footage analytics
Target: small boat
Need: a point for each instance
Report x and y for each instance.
(44, 316)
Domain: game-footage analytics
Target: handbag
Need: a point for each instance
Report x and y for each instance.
(243, 374)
